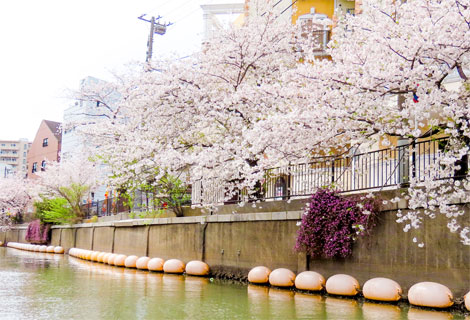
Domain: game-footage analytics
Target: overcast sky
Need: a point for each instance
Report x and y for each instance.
(48, 46)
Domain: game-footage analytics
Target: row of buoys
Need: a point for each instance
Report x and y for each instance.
(35, 247)
(194, 268)
(424, 294)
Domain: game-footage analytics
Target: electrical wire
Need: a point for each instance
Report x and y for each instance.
(190, 13)
(290, 6)
(178, 7)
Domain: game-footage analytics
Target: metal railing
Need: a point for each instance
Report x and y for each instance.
(355, 172)
(141, 202)
(393, 167)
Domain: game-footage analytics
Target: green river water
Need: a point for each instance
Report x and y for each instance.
(46, 286)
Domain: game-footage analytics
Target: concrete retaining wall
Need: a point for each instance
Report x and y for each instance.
(232, 244)
(103, 239)
(16, 234)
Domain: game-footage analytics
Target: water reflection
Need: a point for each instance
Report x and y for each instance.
(421, 314)
(47, 286)
(376, 311)
(309, 306)
(341, 308)
(258, 300)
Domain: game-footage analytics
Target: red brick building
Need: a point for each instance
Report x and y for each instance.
(45, 147)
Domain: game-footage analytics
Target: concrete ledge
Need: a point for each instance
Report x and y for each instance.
(264, 216)
(224, 217)
(294, 215)
(212, 218)
(237, 217)
(83, 225)
(124, 223)
(279, 215)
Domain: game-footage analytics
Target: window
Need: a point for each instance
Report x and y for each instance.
(3, 145)
(43, 165)
(13, 144)
(24, 154)
(25, 146)
(24, 161)
(45, 142)
(35, 167)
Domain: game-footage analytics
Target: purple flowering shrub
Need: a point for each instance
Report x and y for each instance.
(37, 233)
(331, 223)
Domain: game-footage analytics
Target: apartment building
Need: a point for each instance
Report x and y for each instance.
(82, 113)
(45, 147)
(13, 156)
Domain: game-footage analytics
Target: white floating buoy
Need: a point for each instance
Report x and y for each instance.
(430, 294)
(88, 255)
(94, 256)
(119, 260)
(100, 257)
(155, 264)
(342, 284)
(58, 250)
(130, 261)
(111, 258)
(310, 280)
(467, 301)
(282, 277)
(259, 274)
(106, 257)
(197, 268)
(173, 266)
(382, 289)
(142, 263)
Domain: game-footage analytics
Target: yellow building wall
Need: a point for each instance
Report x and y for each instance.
(321, 6)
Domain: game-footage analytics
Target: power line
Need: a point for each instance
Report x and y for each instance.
(190, 13)
(293, 2)
(178, 7)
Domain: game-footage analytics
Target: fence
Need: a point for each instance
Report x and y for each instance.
(141, 202)
(355, 172)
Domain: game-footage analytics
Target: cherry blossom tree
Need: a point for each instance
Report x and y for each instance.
(71, 179)
(389, 77)
(196, 115)
(246, 102)
(14, 198)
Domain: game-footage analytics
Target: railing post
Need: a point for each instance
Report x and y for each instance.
(333, 171)
(413, 159)
(403, 161)
(288, 182)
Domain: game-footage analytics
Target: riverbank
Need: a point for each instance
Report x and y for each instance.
(237, 239)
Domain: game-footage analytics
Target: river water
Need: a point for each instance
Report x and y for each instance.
(45, 286)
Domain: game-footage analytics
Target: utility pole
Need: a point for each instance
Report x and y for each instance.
(155, 27)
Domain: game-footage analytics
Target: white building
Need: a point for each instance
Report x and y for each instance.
(13, 156)
(83, 112)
